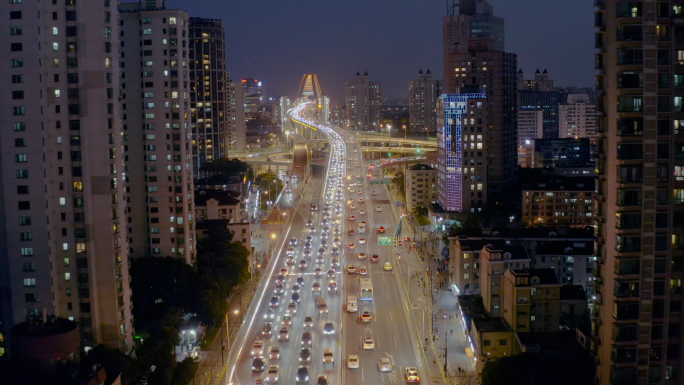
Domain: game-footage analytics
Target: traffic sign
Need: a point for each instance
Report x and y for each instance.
(384, 241)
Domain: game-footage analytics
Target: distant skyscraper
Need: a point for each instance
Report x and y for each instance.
(423, 95)
(472, 27)
(478, 60)
(285, 105)
(254, 95)
(541, 81)
(325, 108)
(577, 118)
(156, 92)
(209, 92)
(538, 94)
(638, 319)
(63, 232)
(364, 107)
(236, 114)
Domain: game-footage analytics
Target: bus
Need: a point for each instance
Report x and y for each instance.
(365, 289)
(362, 227)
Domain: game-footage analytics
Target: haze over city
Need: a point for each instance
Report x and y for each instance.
(276, 41)
(437, 192)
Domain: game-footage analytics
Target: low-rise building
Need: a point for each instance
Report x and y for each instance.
(560, 201)
(491, 340)
(564, 152)
(531, 300)
(572, 261)
(465, 263)
(494, 261)
(217, 204)
(420, 183)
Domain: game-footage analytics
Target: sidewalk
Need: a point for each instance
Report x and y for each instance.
(443, 331)
(212, 369)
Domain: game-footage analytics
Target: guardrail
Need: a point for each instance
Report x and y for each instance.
(264, 151)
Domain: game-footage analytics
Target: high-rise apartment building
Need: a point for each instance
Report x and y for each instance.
(541, 81)
(423, 95)
(538, 94)
(63, 231)
(638, 317)
(474, 26)
(211, 123)
(475, 59)
(157, 117)
(237, 138)
(530, 127)
(577, 118)
(461, 153)
(254, 94)
(364, 104)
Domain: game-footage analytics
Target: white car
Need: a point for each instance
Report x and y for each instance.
(258, 348)
(368, 343)
(362, 240)
(353, 361)
(273, 374)
(384, 365)
(378, 209)
(308, 321)
(362, 212)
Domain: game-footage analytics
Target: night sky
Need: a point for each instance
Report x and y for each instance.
(276, 41)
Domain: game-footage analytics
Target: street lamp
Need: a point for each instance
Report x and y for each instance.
(404, 127)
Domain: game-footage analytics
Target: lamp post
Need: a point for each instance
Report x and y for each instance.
(404, 127)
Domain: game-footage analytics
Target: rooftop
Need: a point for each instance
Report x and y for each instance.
(586, 233)
(37, 328)
(224, 198)
(478, 244)
(489, 325)
(565, 248)
(572, 293)
(516, 252)
(546, 275)
(421, 166)
(561, 183)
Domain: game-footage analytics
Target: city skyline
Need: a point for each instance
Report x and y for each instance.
(392, 53)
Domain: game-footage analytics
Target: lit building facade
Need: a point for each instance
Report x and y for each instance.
(209, 92)
(237, 139)
(63, 234)
(157, 118)
(530, 127)
(638, 315)
(577, 118)
(423, 95)
(420, 184)
(364, 104)
(559, 202)
(453, 111)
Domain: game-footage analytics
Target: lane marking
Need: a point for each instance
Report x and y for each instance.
(396, 345)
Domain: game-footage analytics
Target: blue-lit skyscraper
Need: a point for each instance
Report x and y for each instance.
(460, 146)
